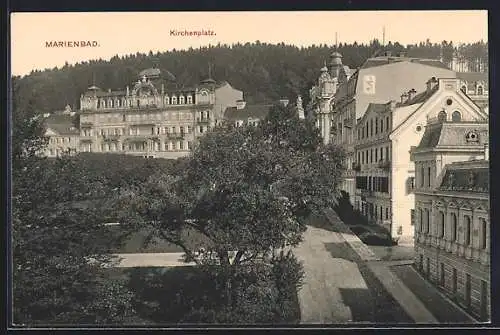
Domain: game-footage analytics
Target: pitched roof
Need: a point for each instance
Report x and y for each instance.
(62, 124)
(259, 111)
(454, 134)
(470, 176)
(384, 60)
(420, 97)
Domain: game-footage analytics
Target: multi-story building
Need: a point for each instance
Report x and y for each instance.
(378, 80)
(243, 114)
(62, 132)
(475, 85)
(384, 136)
(452, 205)
(153, 119)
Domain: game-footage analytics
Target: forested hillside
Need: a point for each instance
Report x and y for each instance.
(262, 71)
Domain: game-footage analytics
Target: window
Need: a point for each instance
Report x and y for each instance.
(453, 227)
(182, 130)
(376, 154)
(427, 221)
(181, 100)
(190, 145)
(371, 127)
(189, 99)
(371, 155)
(167, 100)
(376, 126)
(456, 116)
(381, 213)
(442, 116)
(464, 89)
(201, 129)
(381, 154)
(387, 123)
(429, 177)
(441, 225)
(359, 157)
(422, 173)
(387, 153)
(480, 90)
(412, 215)
(181, 145)
(483, 231)
(421, 219)
(174, 100)
(467, 236)
(387, 213)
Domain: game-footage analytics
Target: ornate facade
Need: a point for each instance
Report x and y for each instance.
(452, 205)
(385, 134)
(154, 118)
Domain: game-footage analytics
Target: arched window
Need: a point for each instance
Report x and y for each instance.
(480, 90)
(467, 237)
(189, 99)
(167, 100)
(174, 100)
(464, 89)
(442, 116)
(456, 116)
(453, 227)
(441, 225)
(181, 100)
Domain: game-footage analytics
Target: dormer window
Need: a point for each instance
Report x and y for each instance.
(174, 100)
(181, 100)
(189, 99)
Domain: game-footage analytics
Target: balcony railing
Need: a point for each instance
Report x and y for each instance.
(384, 164)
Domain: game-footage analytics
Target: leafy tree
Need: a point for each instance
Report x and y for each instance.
(58, 250)
(247, 190)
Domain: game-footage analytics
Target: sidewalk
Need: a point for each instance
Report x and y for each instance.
(152, 260)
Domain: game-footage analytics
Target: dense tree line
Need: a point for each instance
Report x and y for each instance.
(262, 71)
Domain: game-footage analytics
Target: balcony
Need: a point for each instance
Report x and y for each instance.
(384, 164)
(202, 120)
(348, 123)
(175, 135)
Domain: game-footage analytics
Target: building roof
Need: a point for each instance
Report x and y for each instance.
(469, 176)
(259, 111)
(420, 97)
(449, 134)
(151, 72)
(384, 60)
(473, 76)
(62, 124)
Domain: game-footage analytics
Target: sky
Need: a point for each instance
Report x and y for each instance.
(122, 33)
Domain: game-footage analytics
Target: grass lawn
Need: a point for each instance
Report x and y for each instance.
(164, 296)
(135, 243)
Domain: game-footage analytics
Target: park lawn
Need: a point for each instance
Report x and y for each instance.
(135, 243)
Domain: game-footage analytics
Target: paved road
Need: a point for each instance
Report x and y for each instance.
(327, 279)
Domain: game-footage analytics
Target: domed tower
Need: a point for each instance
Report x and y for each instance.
(335, 64)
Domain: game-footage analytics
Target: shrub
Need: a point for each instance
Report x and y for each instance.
(380, 239)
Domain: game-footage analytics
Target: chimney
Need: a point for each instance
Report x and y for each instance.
(411, 94)
(240, 104)
(486, 151)
(284, 101)
(431, 83)
(404, 97)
